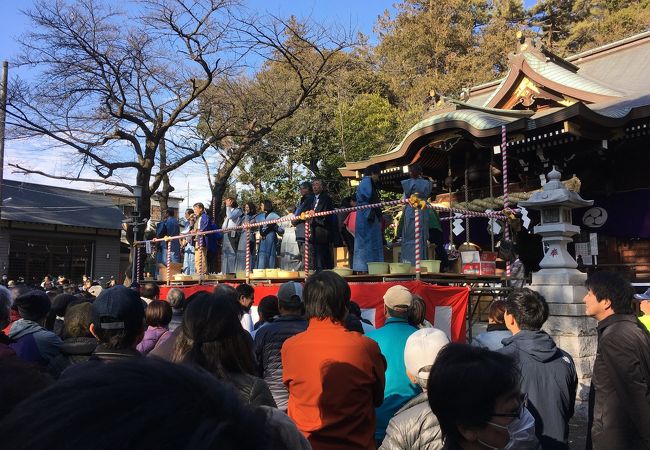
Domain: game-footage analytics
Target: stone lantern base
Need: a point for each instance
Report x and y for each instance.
(568, 323)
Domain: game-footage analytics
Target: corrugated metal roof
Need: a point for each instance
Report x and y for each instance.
(37, 203)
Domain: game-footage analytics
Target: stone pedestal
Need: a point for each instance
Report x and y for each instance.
(573, 331)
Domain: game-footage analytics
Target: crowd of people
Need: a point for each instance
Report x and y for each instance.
(128, 369)
(282, 245)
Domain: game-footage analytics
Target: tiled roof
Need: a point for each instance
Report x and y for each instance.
(37, 203)
(620, 68)
(565, 77)
(480, 120)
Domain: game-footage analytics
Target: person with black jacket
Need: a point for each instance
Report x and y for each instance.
(306, 203)
(619, 399)
(211, 337)
(321, 230)
(548, 374)
(269, 340)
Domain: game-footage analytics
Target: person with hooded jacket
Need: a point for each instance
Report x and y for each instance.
(31, 341)
(548, 374)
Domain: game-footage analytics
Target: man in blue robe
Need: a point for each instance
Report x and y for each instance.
(267, 252)
(168, 226)
(231, 238)
(205, 245)
(368, 241)
(415, 185)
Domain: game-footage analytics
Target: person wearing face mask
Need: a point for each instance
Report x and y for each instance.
(474, 393)
(548, 374)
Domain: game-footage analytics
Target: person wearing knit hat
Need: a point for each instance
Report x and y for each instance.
(392, 340)
(31, 341)
(415, 426)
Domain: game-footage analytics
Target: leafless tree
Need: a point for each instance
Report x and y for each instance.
(298, 57)
(146, 89)
(111, 85)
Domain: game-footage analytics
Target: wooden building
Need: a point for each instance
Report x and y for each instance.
(53, 230)
(589, 115)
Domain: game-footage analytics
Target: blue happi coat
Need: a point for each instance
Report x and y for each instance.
(368, 242)
(267, 251)
(241, 249)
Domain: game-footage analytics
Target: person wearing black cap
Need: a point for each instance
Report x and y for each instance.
(118, 324)
(31, 341)
(269, 340)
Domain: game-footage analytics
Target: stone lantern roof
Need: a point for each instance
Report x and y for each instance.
(554, 193)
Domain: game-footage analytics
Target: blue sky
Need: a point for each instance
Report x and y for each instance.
(360, 15)
(355, 15)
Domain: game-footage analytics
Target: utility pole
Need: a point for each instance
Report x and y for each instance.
(3, 115)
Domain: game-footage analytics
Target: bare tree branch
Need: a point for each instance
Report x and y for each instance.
(26, 171)
(207, 172)
(113, 83)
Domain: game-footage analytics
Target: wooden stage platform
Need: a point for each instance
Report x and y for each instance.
(438, 289)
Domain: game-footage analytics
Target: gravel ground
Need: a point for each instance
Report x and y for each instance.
(577, 433)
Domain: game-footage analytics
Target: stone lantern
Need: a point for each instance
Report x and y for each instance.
(561, 283)
(555, 203)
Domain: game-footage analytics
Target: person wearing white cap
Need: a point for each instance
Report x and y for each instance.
(644, 305)
(392, 340)
(415, 426)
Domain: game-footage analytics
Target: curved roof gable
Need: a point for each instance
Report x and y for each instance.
(537, 66)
